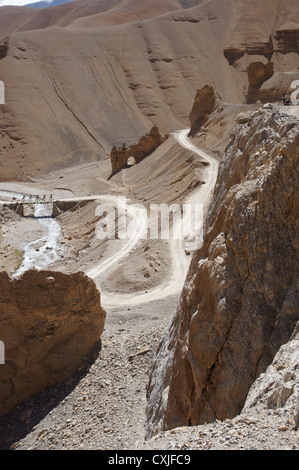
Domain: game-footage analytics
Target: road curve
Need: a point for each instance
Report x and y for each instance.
(180, 262)
(138, 226)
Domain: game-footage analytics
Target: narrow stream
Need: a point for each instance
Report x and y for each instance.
(42, 252)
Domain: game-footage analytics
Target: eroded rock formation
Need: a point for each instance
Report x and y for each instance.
(240, 300)
(146, 145)
(3, 49)
(258, 73)
(234, 52)
(287, 37)
(204, 104)
(50, 322)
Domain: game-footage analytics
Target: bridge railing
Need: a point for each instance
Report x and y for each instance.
(36, 199)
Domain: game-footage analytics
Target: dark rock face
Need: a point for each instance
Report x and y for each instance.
(258, 73)
(204, 104)
(49, 323)
(240, 300)
(287, 38)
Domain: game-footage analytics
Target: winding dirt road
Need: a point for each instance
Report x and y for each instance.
(180, 262)
(138, 227)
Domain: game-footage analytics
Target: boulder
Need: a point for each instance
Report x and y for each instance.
(50, 323)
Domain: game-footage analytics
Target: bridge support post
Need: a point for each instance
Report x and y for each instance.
(19, 209)
(56, 211)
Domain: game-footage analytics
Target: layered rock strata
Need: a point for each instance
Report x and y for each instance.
(287, 37)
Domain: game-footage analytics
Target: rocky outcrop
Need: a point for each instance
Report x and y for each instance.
(240, 300)
(243, 55)
(136, 152)
(287, 37)
(273, 89)
(3, 49)
(268, 421)
(50, 323)
(278, 387)
(257, 73)
(234, 52)
(204, 104)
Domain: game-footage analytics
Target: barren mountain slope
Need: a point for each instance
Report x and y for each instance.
(132, 10)
(13, 19)
(71, 94)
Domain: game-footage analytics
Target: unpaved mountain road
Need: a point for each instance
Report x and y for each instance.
(138, 224)
(180, 262)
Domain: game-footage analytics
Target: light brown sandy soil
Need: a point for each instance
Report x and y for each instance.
(110, 85)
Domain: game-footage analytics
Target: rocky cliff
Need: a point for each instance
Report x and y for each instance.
(50, 322)
(240, 300)
(258, 73)
(204, 104)
(287, 37)
(278, 387)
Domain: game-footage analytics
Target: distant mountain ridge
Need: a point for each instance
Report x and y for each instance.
(51, 3)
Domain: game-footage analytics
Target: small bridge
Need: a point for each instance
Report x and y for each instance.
(24, 206)
(36, 199)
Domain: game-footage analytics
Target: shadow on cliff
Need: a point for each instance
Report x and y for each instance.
(20, 421)
(113, 173)
(127, 165)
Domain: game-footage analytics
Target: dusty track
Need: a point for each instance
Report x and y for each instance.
(137, 216)
(180, 261)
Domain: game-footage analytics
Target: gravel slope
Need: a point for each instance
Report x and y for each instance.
(104, 407)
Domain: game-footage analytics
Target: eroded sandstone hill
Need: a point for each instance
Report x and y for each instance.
(50, 323)
(240, 300)
(80, 84)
